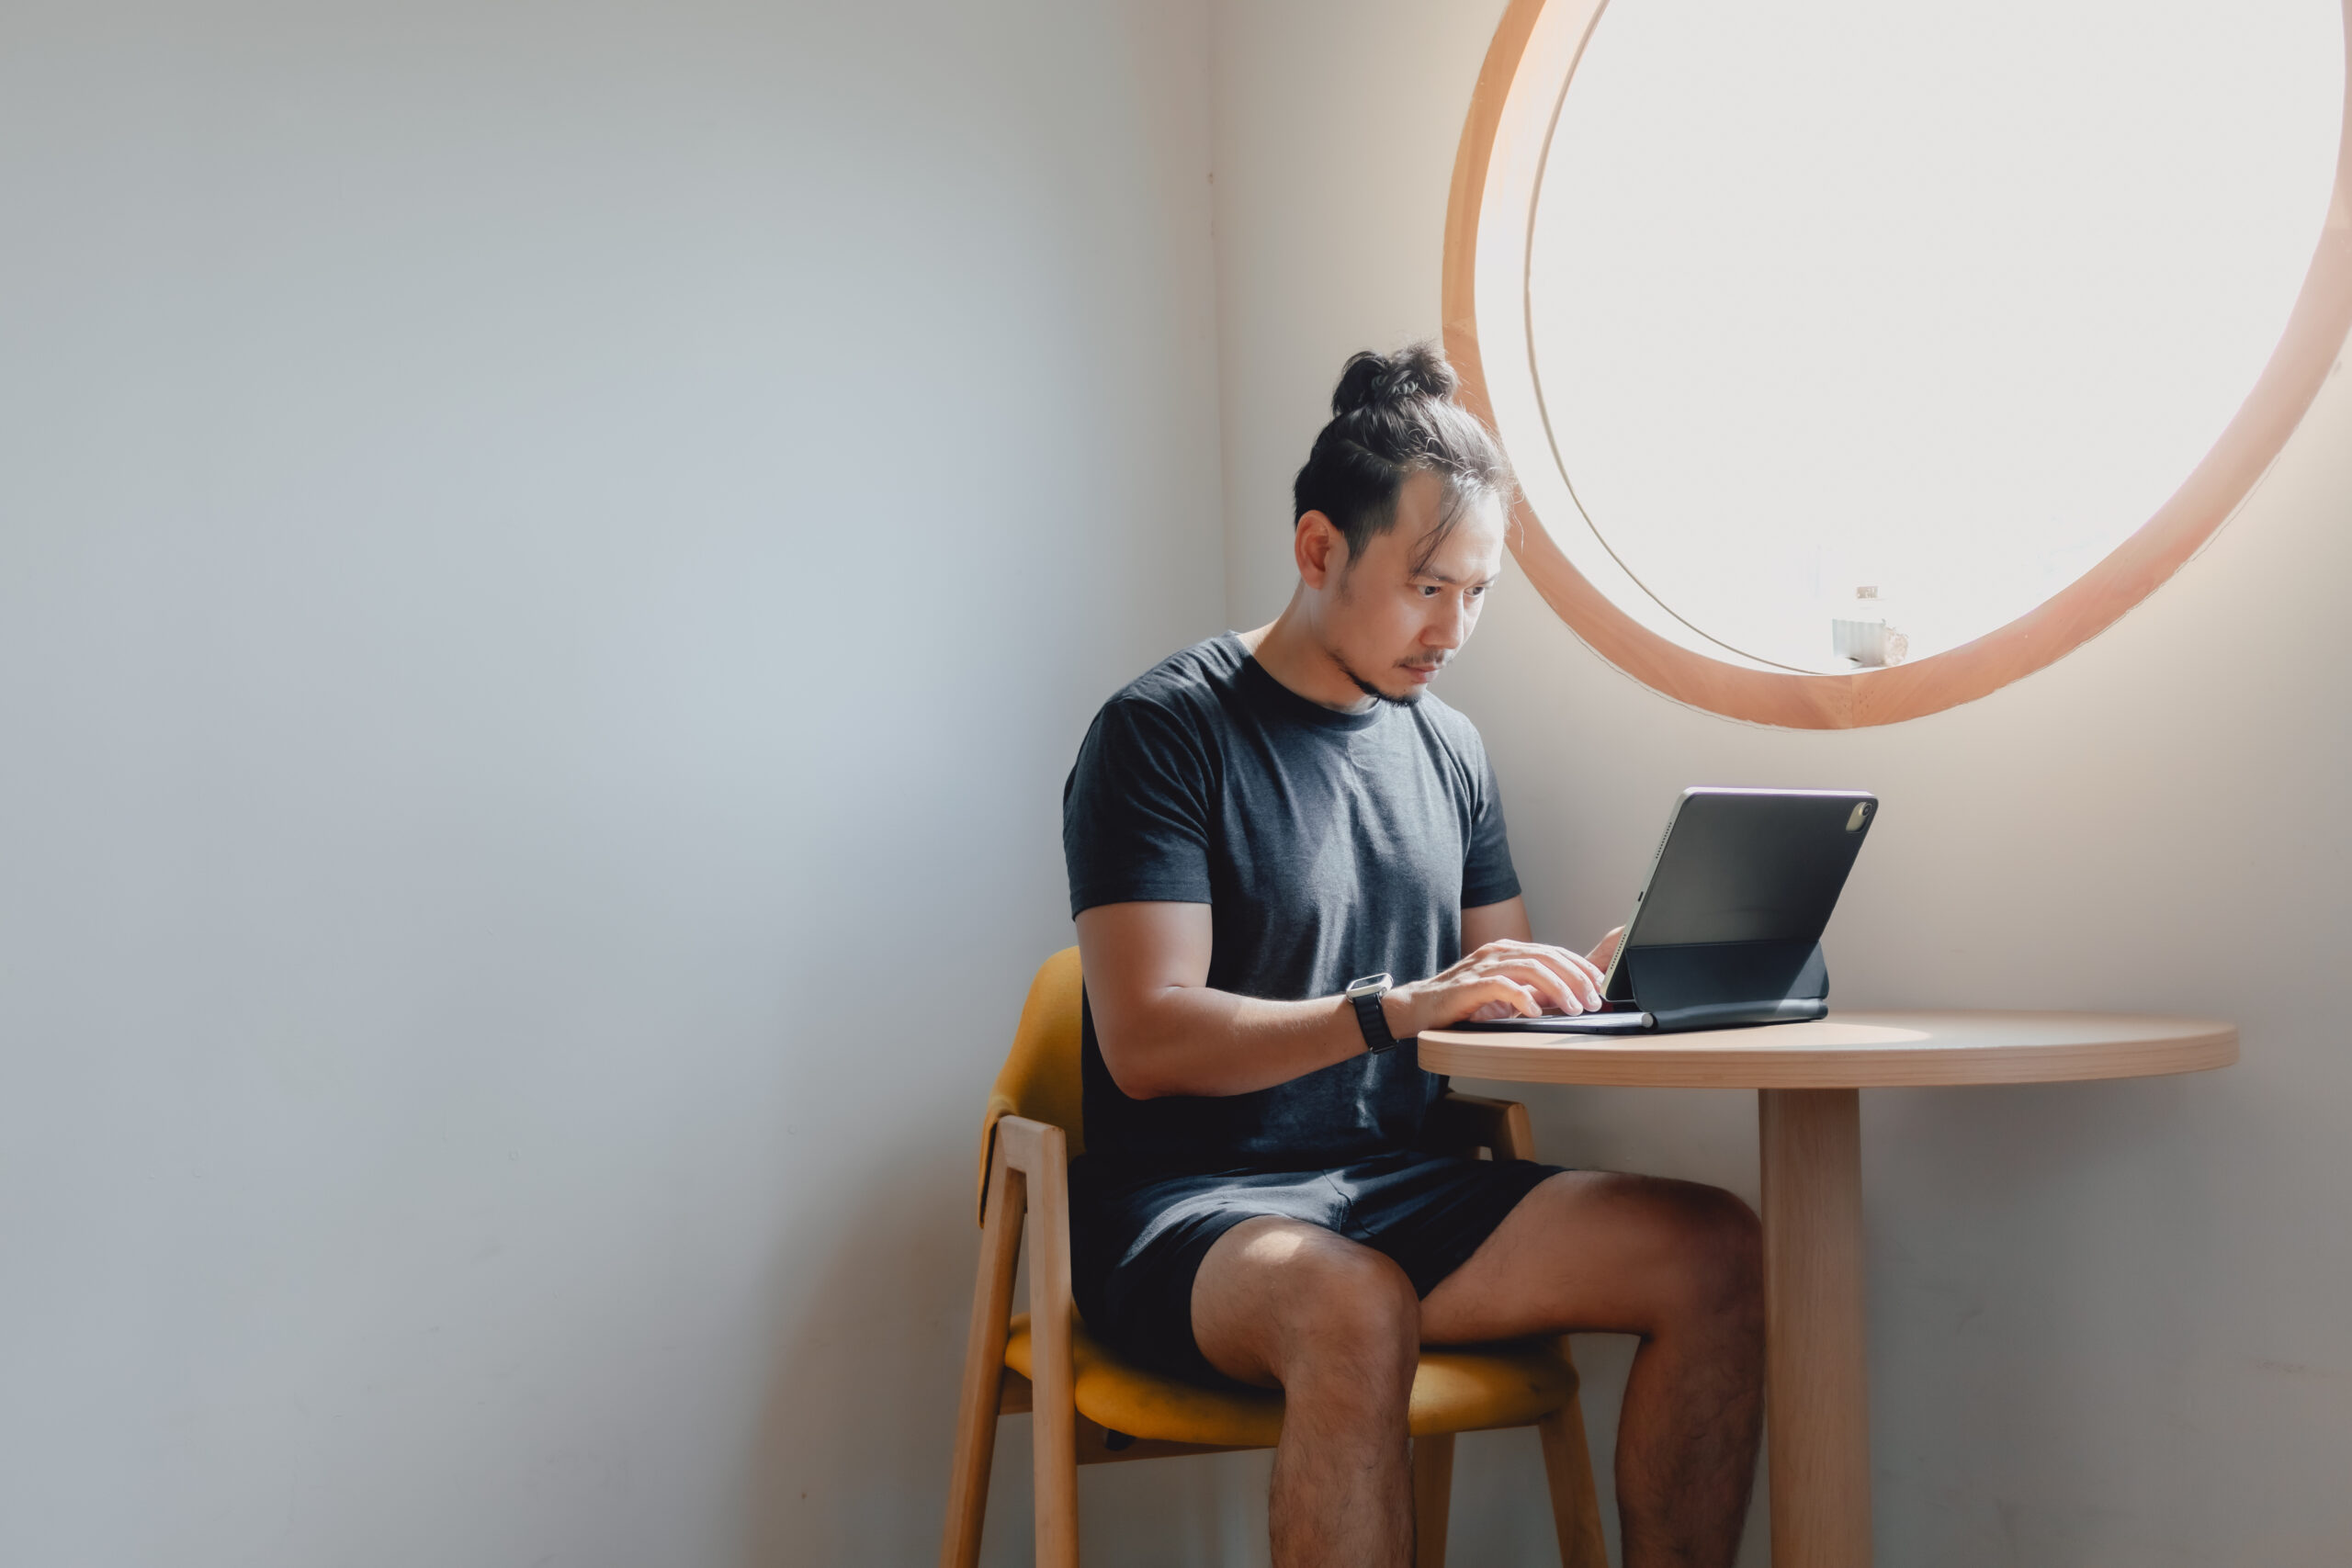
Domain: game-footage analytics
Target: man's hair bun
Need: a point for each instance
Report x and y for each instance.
(1393, 414)
(1371, 380)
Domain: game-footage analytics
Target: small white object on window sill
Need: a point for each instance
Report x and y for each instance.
(1867, 639)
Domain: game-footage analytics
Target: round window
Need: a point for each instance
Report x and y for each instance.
(1857, 359)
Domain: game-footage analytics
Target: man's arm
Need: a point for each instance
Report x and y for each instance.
(1506, 921)
(1164, 1032)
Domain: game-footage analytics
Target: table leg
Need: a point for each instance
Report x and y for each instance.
(1816, 1377)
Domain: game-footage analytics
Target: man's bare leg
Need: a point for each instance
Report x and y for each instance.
(1681, 1266)
(1336, 1326)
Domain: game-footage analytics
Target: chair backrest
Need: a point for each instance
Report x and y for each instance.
(1040, 1079)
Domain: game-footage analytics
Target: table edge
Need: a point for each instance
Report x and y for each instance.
(1739, 1059)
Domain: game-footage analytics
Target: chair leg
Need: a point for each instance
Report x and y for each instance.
(1041, 1151)
(968, 1489)
(1576, 1504)
(1057, 1507)
(1432, 1496)
(975, 1413)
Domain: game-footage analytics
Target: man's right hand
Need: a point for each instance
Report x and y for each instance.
(1500, 979)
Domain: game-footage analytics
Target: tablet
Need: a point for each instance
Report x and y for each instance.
(1740, 866)
(1726, 929)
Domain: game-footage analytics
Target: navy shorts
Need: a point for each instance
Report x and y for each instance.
(1137, 1243)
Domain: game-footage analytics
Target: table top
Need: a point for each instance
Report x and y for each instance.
(1852, 1050)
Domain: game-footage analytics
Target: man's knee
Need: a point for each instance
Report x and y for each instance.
(1720, 1245)
(1327, 1301)
(1351, 1301)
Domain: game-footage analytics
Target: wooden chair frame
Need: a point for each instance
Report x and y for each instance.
(1028, 1176)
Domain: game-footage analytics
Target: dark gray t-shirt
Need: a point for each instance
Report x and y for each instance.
(1327, 846)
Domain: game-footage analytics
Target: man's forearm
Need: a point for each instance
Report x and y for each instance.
(1192, 1039)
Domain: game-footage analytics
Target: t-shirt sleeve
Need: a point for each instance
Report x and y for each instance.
(1135, 812)
(1487, 877)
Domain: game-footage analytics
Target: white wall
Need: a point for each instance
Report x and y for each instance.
(553, 558)
(2108, 1321)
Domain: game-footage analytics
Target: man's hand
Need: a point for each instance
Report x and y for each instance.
(1501, 979)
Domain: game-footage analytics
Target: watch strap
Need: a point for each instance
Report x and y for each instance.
(1373, 1020)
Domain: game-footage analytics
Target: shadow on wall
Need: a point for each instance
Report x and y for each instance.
(859, 1404)
(849, 1465)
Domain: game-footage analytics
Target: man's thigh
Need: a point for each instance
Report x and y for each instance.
(1598, 1251)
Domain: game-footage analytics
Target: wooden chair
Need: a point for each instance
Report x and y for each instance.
(1087, 1407)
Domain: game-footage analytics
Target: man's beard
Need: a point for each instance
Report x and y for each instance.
(1369, 690)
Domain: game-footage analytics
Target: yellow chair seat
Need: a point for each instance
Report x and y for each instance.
(1507, 1384)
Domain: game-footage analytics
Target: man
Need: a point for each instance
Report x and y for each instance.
(1254, 825)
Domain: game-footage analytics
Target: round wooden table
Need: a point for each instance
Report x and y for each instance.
(1808, 1076)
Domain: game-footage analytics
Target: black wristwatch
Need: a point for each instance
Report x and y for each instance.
(1364, 996)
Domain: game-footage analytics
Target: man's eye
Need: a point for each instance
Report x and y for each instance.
(1474, 593)
(1429, 591)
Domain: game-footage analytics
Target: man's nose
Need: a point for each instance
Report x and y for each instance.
(1445, 628)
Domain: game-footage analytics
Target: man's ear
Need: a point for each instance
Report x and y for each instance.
(1320, 549)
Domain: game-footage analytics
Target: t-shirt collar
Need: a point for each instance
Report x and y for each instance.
(1278, 698)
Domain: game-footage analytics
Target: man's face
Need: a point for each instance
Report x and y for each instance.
(1391, 618)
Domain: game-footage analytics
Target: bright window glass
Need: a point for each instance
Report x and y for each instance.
(1940, 302)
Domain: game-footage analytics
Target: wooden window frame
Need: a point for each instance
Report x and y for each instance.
(1542, 40)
